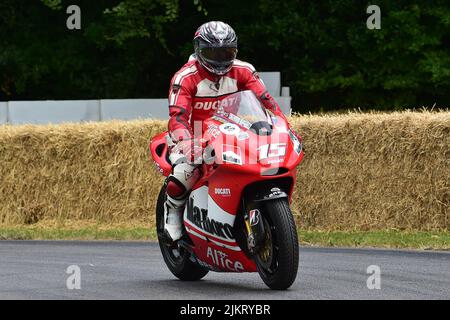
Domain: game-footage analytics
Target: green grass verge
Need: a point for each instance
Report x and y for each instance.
(382, 239)
(89, 233)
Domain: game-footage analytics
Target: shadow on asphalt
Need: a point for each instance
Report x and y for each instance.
(205, 286)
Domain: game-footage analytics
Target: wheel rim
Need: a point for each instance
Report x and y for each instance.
(266, 257)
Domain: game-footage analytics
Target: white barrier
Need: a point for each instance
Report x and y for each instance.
(3, 112)
(43, 112)
(272, 80)
(285, 104)
(129, 109)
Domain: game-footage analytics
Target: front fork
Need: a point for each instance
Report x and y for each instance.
(253, 219)
(254, 226)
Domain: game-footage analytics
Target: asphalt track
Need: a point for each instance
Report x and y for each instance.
(135, 270)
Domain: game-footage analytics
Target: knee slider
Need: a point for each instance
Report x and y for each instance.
(175, 189)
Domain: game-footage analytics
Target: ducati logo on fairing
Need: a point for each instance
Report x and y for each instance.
(199, 217)
(222, 191)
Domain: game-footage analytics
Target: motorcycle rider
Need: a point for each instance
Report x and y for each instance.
(211, 72)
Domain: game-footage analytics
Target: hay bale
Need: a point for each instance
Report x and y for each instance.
(360, 172)
(89, 171)
(375, 171)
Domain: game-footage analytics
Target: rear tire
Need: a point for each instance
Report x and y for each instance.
(177, 259)
(277, 260)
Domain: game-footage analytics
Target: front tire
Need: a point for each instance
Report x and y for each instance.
(278, 258)
(177, 259)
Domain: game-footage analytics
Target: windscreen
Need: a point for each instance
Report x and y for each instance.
(243, 107)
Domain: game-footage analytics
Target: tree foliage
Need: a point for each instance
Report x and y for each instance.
(328, 57)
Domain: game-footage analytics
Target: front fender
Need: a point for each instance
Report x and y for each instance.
(273, 193)
(268, 190)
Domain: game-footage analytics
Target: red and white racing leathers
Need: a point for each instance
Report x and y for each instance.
(193, 97)
(194, 93)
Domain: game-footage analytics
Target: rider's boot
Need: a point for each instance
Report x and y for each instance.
(179, 184)
(173, 218)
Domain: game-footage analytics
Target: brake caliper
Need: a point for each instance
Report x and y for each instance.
(255, 230)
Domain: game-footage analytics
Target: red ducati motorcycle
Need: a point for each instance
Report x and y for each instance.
(237, 217)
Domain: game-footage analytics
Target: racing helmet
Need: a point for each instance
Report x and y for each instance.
(215, 45)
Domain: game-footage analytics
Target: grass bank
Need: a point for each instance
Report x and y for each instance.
(93, 231)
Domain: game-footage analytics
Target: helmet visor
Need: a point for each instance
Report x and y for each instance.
(219, 55)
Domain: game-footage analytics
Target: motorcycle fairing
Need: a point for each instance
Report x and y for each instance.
(211, 230)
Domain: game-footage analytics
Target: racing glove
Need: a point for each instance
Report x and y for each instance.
(188, 150)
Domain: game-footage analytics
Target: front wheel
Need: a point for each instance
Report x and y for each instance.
(277, 259)
(177, 258)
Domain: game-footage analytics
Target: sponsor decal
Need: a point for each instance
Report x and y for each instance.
(234, 118)
(231, 154)
(246, 124)
(213, 130)
(222, 191)
(220, 119)
(242, 136)
(275, 192)
(275, 161)
(229, 128)
(254, 217)
(199, 217)
(295, 142)
(176, 88)
(205, 265)
(272, 150)
(207, 105)
(158, 167)
(187, 174)
(214, 105)
(222, 260)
